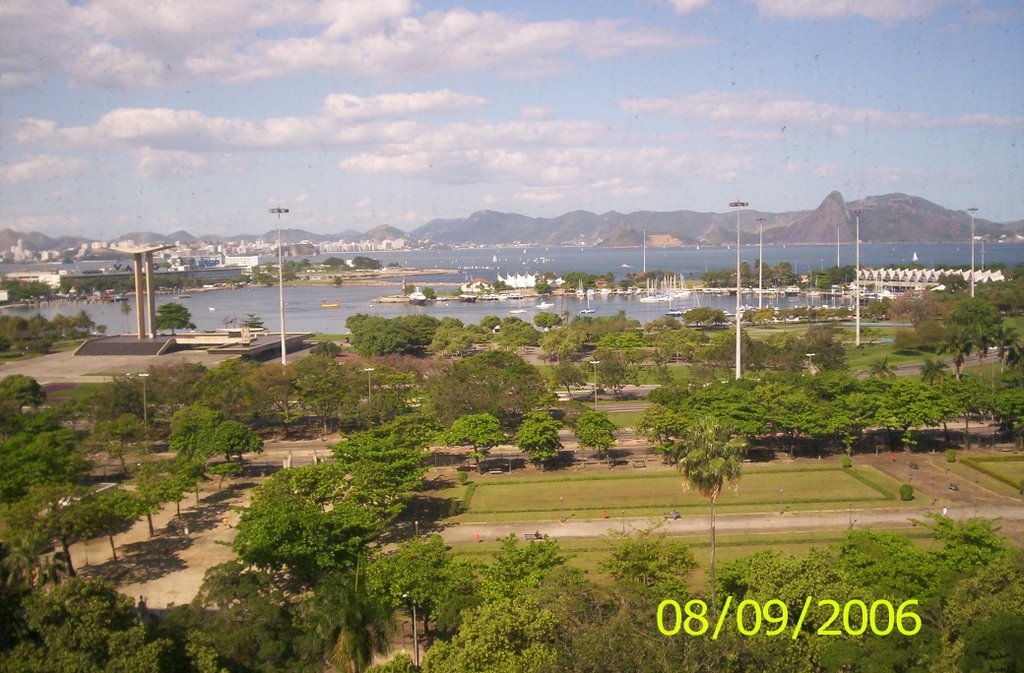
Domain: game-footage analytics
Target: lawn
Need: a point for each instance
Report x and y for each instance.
(760, 489)
(1007, 469)
(861, 359)
(587, 555)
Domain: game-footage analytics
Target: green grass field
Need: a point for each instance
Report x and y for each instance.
(587, 555)
(643, 494)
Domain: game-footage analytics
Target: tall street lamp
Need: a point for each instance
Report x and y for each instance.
(760, 259)
(369, 390)
(856, 278)
(145, 412)
(595, 363)
(415, 636)
(280, 281)
(739, 290)
(972, 211)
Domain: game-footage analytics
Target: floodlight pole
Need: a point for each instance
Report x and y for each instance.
(595, 363)
(972, 211)
(856, 279)
(280, 282)
(739, 291)
(760, 260)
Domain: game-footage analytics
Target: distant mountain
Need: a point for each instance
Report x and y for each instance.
(883, 219)
(381, 233)
(33, 240)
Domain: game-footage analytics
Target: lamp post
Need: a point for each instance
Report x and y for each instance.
(972, 211)
(810, 362)
(760, 259)
(415, 636)
(595, 363)
(145, 411)
(739, 290)
(856, 279)
(280, 281)
(369, 390)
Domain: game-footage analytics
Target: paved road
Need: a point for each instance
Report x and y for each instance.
(762, 522)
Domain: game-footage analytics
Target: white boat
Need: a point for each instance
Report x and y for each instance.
(544, 305)
(517, 311)
(417, 297)
(586, 311)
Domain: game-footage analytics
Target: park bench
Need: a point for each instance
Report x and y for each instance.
(953, 487)
(639, 463)
(533, 536)
(496, 470)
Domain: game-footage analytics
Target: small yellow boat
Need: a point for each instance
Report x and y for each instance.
(330, 304)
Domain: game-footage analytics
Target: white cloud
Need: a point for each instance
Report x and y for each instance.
(536, 112)
(351, 107)
(781, 111)
(826, 170)
(687, 6)
(879, 10)
(41, 167)
(168, 163)
(128, 44)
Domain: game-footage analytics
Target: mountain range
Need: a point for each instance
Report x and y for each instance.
(889, 218)
(883, 219)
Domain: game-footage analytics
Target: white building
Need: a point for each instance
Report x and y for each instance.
(519, 281)
(247, 262)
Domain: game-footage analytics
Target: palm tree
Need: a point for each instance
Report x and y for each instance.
(933, 371)
(28, 561)
(707, 456)
(1003, 338)
(959, 344)
(983, 340)
(881, 369)
(354, 624)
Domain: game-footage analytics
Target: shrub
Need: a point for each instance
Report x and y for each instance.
(462, 477)
(950, 455)
(847, 462)
(906, 492)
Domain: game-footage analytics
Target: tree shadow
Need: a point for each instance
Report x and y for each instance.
(143, 561)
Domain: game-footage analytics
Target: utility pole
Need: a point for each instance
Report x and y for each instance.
(972, 211)
(856, 279)
(760, 260)
(280, 281)
(739, 291)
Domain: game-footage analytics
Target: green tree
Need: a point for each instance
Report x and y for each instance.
(595, 431)
(537, 437)
(354, 624)
(650, 559)
(881, 369)
(959, 344)
(546, 319)
(708, 457)
(173, 316)
(481, 431)
(38, 456)
(120, 436)
(192, 431)
(325, 388)
(108, 513)
(567, 374)
(85, 626)
(518, 568)
(932, 371)
(511, 635)
(234, 439)
(501, 384)
(18, 390)
(325, 348)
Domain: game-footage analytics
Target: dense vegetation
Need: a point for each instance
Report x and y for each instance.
(326, 562)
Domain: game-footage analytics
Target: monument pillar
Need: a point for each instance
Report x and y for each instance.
(140, 300)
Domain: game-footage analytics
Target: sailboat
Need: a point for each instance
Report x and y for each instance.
(915, 256)
(589, 294)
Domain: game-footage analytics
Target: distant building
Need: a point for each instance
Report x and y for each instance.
(477, 285)
(519, 281)
(919, 279)
(247, 262)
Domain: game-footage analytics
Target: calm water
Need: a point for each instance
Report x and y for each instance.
(218, 308)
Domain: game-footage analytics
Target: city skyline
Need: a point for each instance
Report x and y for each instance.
(118, 117)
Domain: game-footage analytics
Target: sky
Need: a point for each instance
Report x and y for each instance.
(120, 115)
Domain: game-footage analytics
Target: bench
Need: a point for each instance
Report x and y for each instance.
(496, 470)
(639, 463)
(533, 536)
(953, 487)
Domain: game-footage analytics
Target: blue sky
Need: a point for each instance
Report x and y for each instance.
(119, 115)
